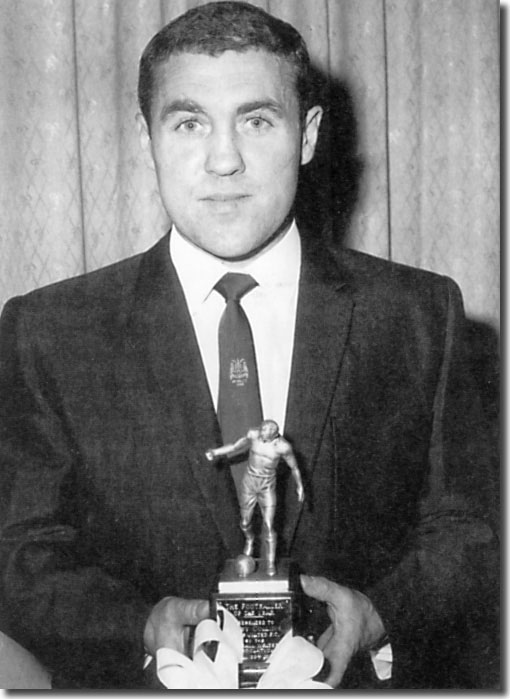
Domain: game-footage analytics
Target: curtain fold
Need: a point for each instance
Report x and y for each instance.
(40, 224)
(420, 79)
(357, 58)
(443, 130)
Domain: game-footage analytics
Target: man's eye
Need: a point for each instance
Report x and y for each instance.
(189, 125)
(258, 123)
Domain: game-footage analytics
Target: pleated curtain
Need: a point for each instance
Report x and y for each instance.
(408, 167)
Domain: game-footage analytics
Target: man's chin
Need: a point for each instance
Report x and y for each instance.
(232, 244)
(236, 245)
(233, 241)
(234, 248)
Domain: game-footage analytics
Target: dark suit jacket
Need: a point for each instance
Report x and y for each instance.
(108, 503)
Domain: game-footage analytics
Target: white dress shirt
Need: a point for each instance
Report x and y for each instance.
(270, 308)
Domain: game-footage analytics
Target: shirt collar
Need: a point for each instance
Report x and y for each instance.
(274, 267)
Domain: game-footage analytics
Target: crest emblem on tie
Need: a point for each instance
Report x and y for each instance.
(239, 372)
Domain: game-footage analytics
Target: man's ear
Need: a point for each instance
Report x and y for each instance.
(145, 140)
(310, 133)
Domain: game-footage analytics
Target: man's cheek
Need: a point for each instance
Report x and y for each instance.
(283, 161)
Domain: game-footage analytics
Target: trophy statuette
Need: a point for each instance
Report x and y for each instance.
(260, 592)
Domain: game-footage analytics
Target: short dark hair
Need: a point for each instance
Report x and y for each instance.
(225, 26)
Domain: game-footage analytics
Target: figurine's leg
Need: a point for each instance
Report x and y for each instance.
(247, 529)
(247, 503)
(269, 538)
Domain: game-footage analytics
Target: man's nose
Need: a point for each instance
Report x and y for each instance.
(224, 156)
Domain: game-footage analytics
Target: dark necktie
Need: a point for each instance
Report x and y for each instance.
(239, 406)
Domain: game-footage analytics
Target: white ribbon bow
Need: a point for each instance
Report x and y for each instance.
(292, 664)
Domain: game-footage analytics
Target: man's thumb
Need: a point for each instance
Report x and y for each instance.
(317, 587)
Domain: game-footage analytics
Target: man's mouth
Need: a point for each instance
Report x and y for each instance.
(223, 197)
(225, 205)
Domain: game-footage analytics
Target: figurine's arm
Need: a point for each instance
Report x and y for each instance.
(290, 459)
(228, 449)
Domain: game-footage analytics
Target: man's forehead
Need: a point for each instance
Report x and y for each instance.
(185, 72)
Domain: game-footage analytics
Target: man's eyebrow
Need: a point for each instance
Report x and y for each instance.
(188, 105)
(180, 105)
(257, 105)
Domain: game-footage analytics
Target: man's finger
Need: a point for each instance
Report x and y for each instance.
(338, 657)
(189, 612)
(325, 637)
(336, 673)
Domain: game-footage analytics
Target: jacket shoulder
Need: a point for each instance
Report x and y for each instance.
(394, 281)
(89, 289)
(388, 294)
(101, 297)
(366, 267)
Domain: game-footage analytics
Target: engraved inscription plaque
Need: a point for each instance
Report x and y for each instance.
(266, 609)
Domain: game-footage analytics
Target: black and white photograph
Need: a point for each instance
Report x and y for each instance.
(250, 345)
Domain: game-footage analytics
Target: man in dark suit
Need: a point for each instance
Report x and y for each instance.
(114, 525)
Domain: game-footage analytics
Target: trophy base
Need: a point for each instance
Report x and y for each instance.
(264, 605)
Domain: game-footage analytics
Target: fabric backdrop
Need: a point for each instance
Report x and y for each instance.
(408, 165)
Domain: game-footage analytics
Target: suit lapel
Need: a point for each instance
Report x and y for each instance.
(166, 347)
(322, 327)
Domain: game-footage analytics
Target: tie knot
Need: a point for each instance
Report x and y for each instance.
(233, 286)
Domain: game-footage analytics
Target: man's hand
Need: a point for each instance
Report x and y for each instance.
(209, 455)
(300, 492)
(168, 625)
(355, 624)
